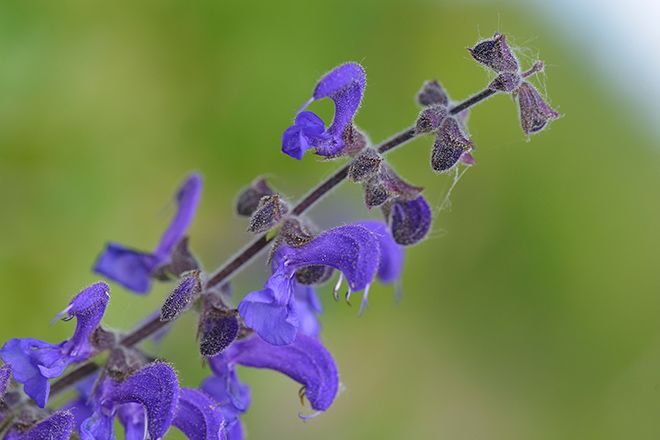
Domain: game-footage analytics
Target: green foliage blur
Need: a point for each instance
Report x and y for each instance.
(532, 311)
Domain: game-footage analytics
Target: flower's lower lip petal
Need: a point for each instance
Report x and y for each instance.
(275, 322)
(305, 360)
(198, 416)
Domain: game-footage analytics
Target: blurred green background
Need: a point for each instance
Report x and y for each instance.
(531, 313)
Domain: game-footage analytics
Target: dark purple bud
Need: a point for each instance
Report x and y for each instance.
(410, 221)
(495, 53)
(270, 211)
(430, 119)
(365, 165)
(534, 112)
(432, 93)
(505, 82)
(449, 146)
(311, 275)
(396, 186)
(182, 296)
(375, 193)
(295, 233)
(218, 327)
(248, 199)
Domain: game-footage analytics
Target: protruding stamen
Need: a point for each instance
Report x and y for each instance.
(347, 297)
(301, 395)
(365, 298)
(335, 291)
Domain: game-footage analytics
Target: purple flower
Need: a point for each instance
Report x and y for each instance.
(152, 391)
(534, 112)
(345, 86)
(271, 312)
(305, 360)
(198, 416)
(410, 220)
(56, 427)
(33, 362)
(133, 269)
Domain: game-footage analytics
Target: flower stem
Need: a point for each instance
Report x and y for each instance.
(255, 247)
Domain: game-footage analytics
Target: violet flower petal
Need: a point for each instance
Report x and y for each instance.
(132, 418)
(56, 427)
(305, 360)
(198, 416)
(306, 132)
(132, 269)
(270, 311)
(351, 249)
(225, 388)
(308, 307)
(156, 388)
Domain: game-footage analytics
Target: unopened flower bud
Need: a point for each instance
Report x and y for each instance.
(430, 119)
(409, 221)
(218, 327)
(534, 112)
(432, 93)
(182, 296)
(365, 165)
(248, 200)
(269, 212)
(495, 53)
(375, 193)
(311, 275)
(449, 146)
(505, 82)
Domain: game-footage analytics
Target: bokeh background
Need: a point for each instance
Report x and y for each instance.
(533, 310)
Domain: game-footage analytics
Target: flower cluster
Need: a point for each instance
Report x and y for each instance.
(276, 327)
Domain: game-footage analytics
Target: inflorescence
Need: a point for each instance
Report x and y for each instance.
(275, 327)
